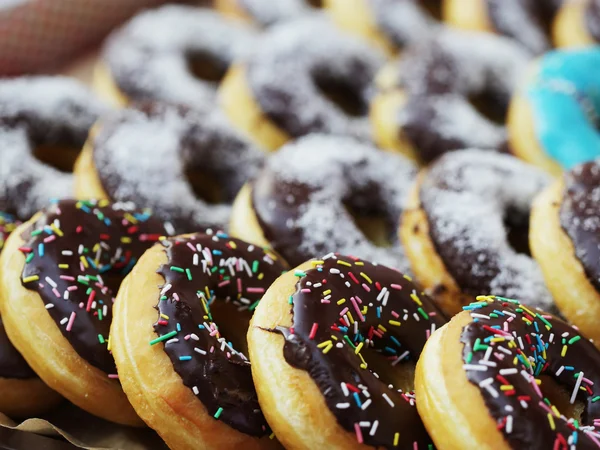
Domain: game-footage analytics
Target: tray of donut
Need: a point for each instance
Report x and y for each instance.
(299, 224)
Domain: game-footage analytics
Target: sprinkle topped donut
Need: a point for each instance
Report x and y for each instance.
(157, 153)
(73, 252)
(555, 115)
(353, 326)
(50, 114)
(156, 54)
(424, 106)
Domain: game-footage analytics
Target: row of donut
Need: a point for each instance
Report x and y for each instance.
(331, 342)
(449, 89)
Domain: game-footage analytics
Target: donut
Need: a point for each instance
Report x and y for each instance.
(553, 116)
(325, 193)
(193, 383)
(157, 153)
(58, 273)
(565, 221)
(465, 229)
(44, 122)
(174, 53)
(450, 91)
(390, 24)
(22, 393)
(266, 12)
(319, 341)
(502, 375)
(577, 23)
(292, 86)
(526, 21)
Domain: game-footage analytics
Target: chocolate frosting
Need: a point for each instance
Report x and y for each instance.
(579, 216)
(77, 254)
(12, 364)
(507, 347)
(156, 152)
(592, 19)
(300, 198)
(477, 206)
(342, 308)
(202, 269)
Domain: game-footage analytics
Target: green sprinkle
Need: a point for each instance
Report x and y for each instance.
(299, 273)
(548, 324)
(163, 298)
(36, 232)
(254, 305)
(255, 266)
(214, 269)
(166, 337)
(494, 315)
(596, 398)
(29, 258)
(88, 291)
(423, 313)
(291, 300)
(218, 413)
(469, 358)
(101, 339)
(574, 339)
(479, 346)
(99, 314)
(349, 341)
(189, 274)
(176, 269)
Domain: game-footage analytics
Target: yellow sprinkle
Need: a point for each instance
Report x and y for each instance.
(318, 262)
(63, 266)
(396, 439)
(84, 262)
(555, 410)
(31, 278)
(326, 349)
(497, 339)
(512, 344)
(484, 298)
(359, 263)
(109, 343)
(95, 247)
(366, 277)
(507, 387)
(207, 292)
(233, 245)
(204, 305)
(538, 381)
(327, 292)
(324, 344)
(532, 314)
(515, 361)
(563, 351)
(57, 230)
(395, 323)
(408, 277)
(416, 299)
(164, 316)
(272, 436)
(382, 328)
(551, 420)
(126, 240)
(364, 363)
(358, 348)
(260, 276)
(334, 338)
(526, 320)
(103, 203)
(344, 263)
(350, 318)
(130, 218)
(364, 310)
(341, 301)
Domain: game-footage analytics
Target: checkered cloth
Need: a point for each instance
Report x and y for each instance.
(39, 35)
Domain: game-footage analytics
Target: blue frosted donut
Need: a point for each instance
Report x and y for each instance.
(555, 116)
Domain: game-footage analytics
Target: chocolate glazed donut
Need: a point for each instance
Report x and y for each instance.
(50, 114)
(424, 106)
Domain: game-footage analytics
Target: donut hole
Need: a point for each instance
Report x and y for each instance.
(342, 95)
(400, 376)
(372, 223)
(491, 105)
(316, 3)
(233, 323)
(433, 7)
(206, 66)
(62, 158)
(205, 185)
(560, 397)
(517, 231)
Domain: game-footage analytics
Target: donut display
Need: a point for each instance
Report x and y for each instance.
(266, 12)
(290, 86)
(174, 53)
(502, 375)
(204, 394)
(577, 24)
(301, 202)
(22, 393)
(564, 229)
(527, 21)
(391, 24)
(465, 229)
(423, 107)
(553, 114)
(347, 331)
(158, 152)
(60, 270)
(44, 122)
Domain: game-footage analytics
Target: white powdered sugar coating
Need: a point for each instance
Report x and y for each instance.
(442, 72)
(335, 170)
(148, 56)
(513, 18)
(467, 195)
(269, 12)
(288, 61)
(144, 157)
(27, 184)
(404, 22)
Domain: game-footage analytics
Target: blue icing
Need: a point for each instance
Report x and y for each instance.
(565, 98)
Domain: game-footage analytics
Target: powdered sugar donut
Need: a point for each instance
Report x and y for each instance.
(577, 24)
(266, 12)
(186, 165)
(304, 77)
(465, 229)
(424, 108)
(526, 21)
(174, 53)
(299, 203)
(392, 24)
(44, 122)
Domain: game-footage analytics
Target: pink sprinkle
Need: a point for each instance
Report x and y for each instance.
(175, 296)
(313, 331)
(50, 238)
(360, 315)
(396, 315)
(67, 277)
(72, 288)
(239, 284)
(366, 288)
(187, 338)
(212, 349)
(427, 334)
(255, 290)
(71, 320)
(415, 446)
(359, 436)
(396, 286)
(358, 299)
(213, 332)
(344, 311)
(55, 292)
(305, 291)
(113, 376)
(81, 305)
(223, 283)
(593, 438)
(189, 244)
(325, 301)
